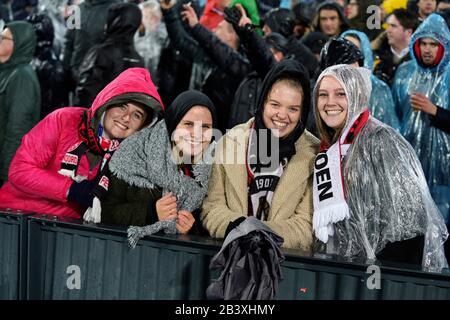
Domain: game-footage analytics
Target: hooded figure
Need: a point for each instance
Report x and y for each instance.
(62, 162)
(148, 166)
(381, 103)
(106, 61)
(20, 97)
(48, 68)
(431, 144)
(263, 167)
(281, 21)
(371, 200)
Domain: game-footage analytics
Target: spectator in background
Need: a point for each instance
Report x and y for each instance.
(21, 9)
(20, 96)
(425, 81)
(107, 60)
(90, 32)
(48, 67)
(330, 19)
(282, 21)
(302, 24)
(174, 70)
(359, 16)
(218, 65)
(315, 42)
(378, 205)
(278, 191)
(5, 10)
(151, 36)
(381, 104)
(392, 47)
(63, 161)
(425, 8)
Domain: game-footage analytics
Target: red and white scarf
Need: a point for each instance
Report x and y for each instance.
(99, 145)
(330, 205)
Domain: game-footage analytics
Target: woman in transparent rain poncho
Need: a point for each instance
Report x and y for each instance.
(371, 199)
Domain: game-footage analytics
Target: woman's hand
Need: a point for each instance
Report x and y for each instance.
(185, 221)
(188, 14)
(166, 207)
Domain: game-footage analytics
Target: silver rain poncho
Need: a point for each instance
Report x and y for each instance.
(381, 103)
(386, 191)
(431, 144)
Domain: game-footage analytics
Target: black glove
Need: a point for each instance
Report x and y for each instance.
(81, 192)
(232, 16)
(234, 224)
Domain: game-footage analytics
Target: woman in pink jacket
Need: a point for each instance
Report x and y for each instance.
(62, 163)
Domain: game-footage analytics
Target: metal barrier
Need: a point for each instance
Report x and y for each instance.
(70, 259)
(13, 254)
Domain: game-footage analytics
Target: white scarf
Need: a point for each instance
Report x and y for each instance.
(329, 201)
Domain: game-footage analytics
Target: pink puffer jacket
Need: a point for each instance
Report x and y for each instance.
(34, 183)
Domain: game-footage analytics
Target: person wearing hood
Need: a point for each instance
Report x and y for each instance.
(330, 19)
(61, 166)
(371, 199)
(140, 190)
(423, 83)
(117, 53)
(48, 67)
(381, 103)
(263, 168)
(20, 97)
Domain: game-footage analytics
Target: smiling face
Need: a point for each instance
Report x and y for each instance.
(193, 133)
(332, 103)
(122, 121)
(282, 109)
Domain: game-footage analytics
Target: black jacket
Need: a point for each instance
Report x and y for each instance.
(217, 69)
(91, 32)
(106, 61)
(52, 79)
(441, 120)
(130, 205)
(385, 67)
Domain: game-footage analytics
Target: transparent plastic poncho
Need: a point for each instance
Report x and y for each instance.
(432, 145)
(386, 190)
(381, 103)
